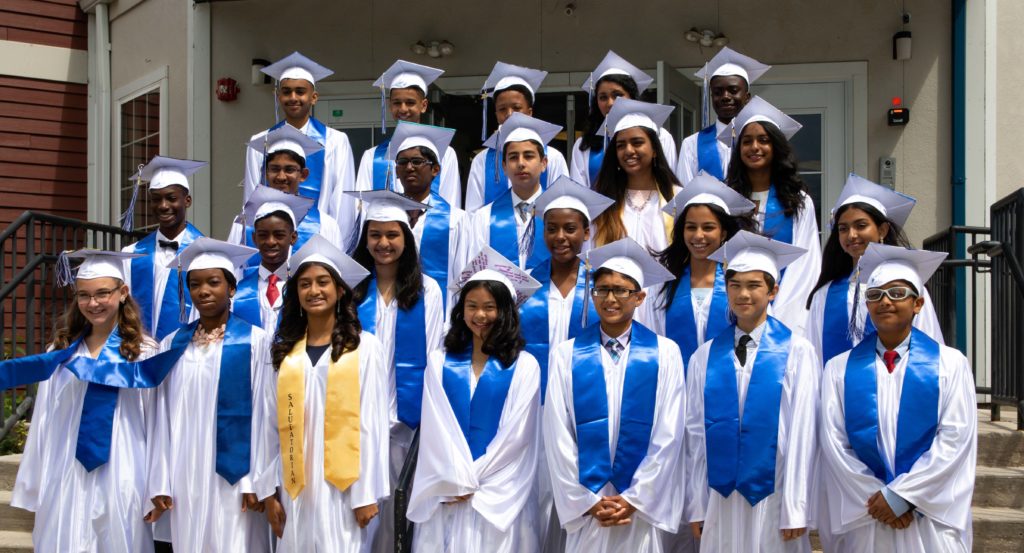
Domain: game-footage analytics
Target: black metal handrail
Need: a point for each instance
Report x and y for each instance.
(29, 300)
(403, 528)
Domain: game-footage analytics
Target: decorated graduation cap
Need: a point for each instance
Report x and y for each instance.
(628, 257)
(627, 113)
(520, 127)
(94, 264)
(160, 173)
(403, 74)
(614, 64)
(505, 75)
(491, 265)
(706, 189)
(266, 201)
(566, 193)
(752, 252)
(893, 205)
(730, 62)
(386, 205)
(758, 109)
(410, 135)
(286, 138)
(297, 66)
(320, 250)
(882, 264)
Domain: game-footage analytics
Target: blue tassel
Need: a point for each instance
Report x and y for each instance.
(128, 217)
(64, 277)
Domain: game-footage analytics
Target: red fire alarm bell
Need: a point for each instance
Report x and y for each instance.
(227, 89)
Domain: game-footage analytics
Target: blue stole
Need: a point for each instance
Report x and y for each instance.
(478, 417)
(434, 252)
(246, 303)
(310, 188)
(105, 376)
(533, 318)
(505, 239)
(382, 166)
(742, 456)
(777, 225)
(681, 322)
(708, 158)
(594, 160)
(590, 404)
(410, 357)
(495, 186)
(142, 285)
(835, 328)
(919, 404)
(307, 228)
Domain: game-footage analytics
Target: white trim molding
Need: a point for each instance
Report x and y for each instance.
(49, 63)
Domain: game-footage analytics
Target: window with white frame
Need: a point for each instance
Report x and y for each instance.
(139, 141)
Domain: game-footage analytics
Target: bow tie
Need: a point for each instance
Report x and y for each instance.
(168, 244)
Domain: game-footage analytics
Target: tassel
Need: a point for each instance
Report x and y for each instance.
(584, 319)
(128, 217)
(64, 277)
(182, 315)
(483, 123)
(383, 111)
(590, 94)
(856, 334)
(277, 115)
(498, 156)
(263, 164)
(705, 100)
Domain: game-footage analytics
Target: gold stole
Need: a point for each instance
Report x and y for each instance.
(341, 419)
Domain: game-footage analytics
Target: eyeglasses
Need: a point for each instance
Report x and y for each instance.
(101, 296)
(897, 293)
(416, 162)
(620, 293)
(286, 169)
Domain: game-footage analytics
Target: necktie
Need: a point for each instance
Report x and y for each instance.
(524, 208)
(168, 244)
(272, 292)
(890, 358)
(741, 349)
(614, 349)
(414, 217)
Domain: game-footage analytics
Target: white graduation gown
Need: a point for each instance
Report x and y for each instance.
(480, 228)
(501, 516)
(338, 176)
(941, 482)
(790, 305)
(688, 165)
(661, 470)
(476, 182)
(459, 246)
(75, 511)
(401, 435)
(161, 257)
(731, 524)
(579, 169)
(321, 518)
(926, 321)
(450, 186)
(207, 514)
(329, 229)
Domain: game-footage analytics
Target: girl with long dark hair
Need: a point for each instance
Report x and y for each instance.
(763, 168)
(613, 78)
(331, 407)
(481, 422)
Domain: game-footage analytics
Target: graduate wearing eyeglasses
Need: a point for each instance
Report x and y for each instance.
(613, 416)
(898, 423)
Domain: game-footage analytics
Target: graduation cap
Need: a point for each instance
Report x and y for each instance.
(730, 62)
(894, 205)
(882, 264)
(758, 109)
(207, 253)
(320, 250)
(410, 135)
(95, 264)
(628, 257)
(491, 265)
(614, 64)
(265, 201)
(502, 77)
(286, 137)
(706, 189)
(520, 127)
(403, 74)
(297, 66)
(566, 193)
(386, 205)
(752, 252)
(627, 113)
(160, 173)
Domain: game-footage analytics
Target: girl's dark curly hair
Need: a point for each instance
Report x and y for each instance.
(612, 182)
(594, 118)
(676, 257)
(73, 324)
(505, 341)
(785, 175)
(835, 262)
(293, 324)
(409, 282)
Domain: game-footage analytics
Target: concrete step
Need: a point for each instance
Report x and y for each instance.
(8, 471)
(1000, 444)
(999, 487)
(13, 519)
(15, 542)
(998, 529)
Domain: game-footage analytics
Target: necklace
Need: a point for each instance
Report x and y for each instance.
(630, 194)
